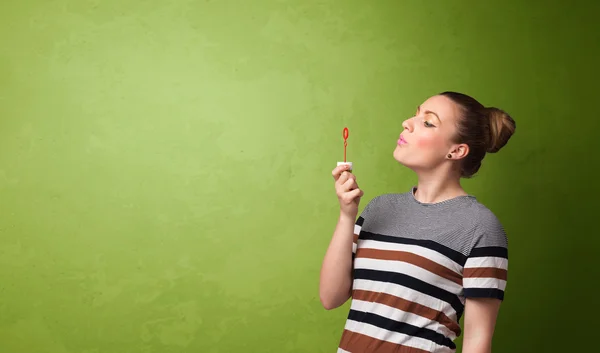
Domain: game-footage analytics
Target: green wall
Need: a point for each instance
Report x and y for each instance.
(165, 165)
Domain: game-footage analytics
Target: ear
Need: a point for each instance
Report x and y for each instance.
(459, 151)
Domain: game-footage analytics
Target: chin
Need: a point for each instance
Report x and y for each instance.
(399, 155)
(405, 160)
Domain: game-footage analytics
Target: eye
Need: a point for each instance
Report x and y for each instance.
(428, 124)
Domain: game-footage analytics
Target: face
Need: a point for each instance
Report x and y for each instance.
(428, 137)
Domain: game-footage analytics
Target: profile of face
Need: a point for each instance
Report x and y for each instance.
(429, 137)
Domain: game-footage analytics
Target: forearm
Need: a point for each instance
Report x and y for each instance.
(477, 345)
(336, 271)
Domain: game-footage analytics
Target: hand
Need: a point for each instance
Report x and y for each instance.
(347, 191)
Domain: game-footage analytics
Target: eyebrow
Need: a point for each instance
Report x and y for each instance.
(429, 112)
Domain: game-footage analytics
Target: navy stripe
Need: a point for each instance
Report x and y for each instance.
(401, 327)
(360, 221)
(412, 283)
(484, 293)
(429, 244)
(495, 251)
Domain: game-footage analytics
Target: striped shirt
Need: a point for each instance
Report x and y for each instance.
(414, 265)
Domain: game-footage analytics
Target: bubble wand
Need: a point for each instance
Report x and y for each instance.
(345, 134)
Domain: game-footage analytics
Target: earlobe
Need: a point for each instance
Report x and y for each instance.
(458, 152)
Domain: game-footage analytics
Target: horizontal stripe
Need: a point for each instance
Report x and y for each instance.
(408, 269)
(430, 244)
(495, 251)
(360, 221)
(409, 307)
(413, 259)
(411, 295)
(413, 283)
(475, 282)
(484, 293)
(432, 255)
(487, 261)
(400, 327)
(486, 272)
(360, 343)
(385, 305)
(412, 275)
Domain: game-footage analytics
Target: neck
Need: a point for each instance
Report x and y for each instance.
(432, 188)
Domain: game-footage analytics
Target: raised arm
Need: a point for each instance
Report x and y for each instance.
(335, 282)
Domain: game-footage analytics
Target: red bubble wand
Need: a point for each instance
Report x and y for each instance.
(345, 135)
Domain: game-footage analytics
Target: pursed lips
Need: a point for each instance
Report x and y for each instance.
(401, 140)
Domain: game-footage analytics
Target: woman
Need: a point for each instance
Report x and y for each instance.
(413, 263)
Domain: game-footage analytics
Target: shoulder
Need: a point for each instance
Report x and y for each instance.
(488, 230)
(385, 201)
(485, 271)
(389, 198)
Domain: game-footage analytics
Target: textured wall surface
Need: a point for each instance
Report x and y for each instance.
(165, 165)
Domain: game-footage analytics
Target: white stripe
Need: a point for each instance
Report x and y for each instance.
(407, 294)
(341, 351)
(357, 230)
(395, 337)
(401, 316)
(498, 262)
(389, 336)
(484, 283)
(415, 249)
(410, 270)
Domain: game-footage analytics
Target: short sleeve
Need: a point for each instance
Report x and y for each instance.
(486, 268)
(357, 228)
(358, 225)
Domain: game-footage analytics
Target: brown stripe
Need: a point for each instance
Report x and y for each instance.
(411, 258)
(408, 306)
(355, 238)
(487, 272)
(356, 342)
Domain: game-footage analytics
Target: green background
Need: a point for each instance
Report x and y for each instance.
(165, 165)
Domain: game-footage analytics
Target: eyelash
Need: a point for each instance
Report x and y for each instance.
(426, 123)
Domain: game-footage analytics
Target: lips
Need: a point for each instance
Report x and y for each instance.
(401, 140)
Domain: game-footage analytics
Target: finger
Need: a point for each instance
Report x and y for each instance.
(349, 175)
(352, 195)
(343, 178)
(350, 184)
(337, 171)
(356, 193)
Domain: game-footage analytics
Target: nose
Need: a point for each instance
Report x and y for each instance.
(407, 124)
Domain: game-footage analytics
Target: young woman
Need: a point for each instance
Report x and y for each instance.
(413, 263)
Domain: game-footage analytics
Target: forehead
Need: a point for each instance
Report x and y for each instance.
(444, 107)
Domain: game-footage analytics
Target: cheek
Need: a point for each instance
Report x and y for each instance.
(430, 142)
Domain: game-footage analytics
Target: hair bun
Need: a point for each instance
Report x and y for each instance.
(502, 127)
